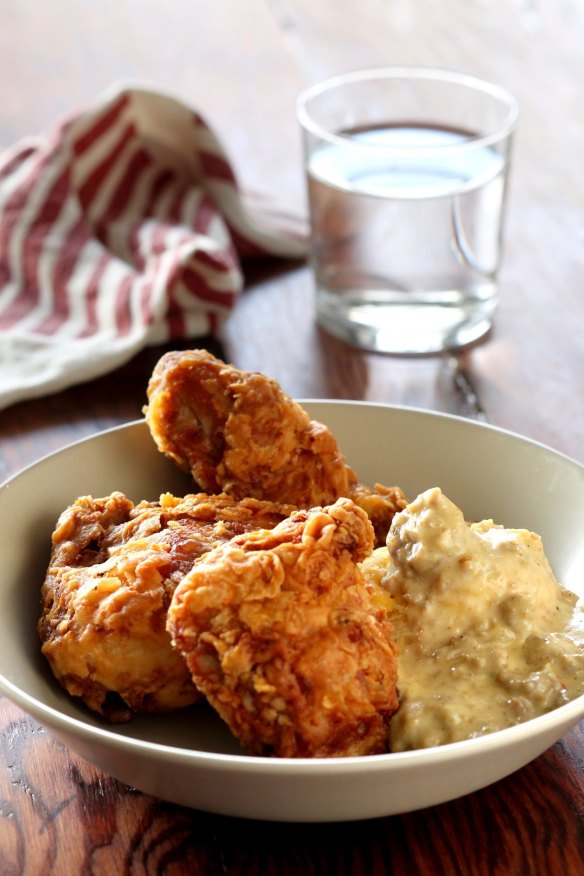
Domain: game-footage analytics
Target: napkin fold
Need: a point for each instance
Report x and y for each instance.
(122, 227)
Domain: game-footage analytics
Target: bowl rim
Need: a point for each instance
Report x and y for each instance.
(328, 402)
(453, 751)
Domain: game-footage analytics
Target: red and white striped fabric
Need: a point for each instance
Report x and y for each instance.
(122, 228)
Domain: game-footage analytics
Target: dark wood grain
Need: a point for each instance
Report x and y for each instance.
(242, 63)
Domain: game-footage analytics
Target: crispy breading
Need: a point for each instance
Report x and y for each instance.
(281, 634)
(237, 431)
(113, 569)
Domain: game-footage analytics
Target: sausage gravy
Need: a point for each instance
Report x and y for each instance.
(487, 637)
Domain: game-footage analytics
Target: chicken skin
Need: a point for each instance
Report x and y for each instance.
(238, 432)
(281, 635)
(113, 569)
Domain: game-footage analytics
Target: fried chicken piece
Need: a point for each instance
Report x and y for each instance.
(282, 636)
(113, 569)
(238, 432)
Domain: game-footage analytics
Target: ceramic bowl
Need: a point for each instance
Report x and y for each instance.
(190, 757)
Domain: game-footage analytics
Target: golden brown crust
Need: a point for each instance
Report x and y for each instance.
(113, 570)
(238, 432)
(280, 634)
(380, 504)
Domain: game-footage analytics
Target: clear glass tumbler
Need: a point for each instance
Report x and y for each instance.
(407, 172)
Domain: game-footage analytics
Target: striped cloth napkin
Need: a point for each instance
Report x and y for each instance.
(122, 228)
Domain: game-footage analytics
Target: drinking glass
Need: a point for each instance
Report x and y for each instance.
(407, 172)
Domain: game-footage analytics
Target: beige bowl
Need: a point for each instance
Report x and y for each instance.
(190, 758)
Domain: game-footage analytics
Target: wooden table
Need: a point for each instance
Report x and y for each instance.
(241, 63)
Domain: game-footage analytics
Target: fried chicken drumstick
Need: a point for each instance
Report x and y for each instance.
(238, 432)
(113, 569)
(282, 636)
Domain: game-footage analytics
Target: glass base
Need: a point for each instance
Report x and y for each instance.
(409, 329)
